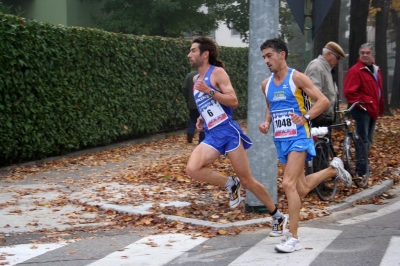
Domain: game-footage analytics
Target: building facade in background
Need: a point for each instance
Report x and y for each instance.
(64, 12)
(76, 13)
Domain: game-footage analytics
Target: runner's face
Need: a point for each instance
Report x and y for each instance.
(273, 59)
(194, 56)
(366, 56)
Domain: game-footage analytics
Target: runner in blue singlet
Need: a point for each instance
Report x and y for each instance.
(222, 133)
(285, 99)
(215, 99)
(288, 94)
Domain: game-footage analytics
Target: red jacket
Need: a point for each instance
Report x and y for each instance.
(360, 85)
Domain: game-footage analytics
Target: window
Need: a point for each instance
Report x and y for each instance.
(234, 32)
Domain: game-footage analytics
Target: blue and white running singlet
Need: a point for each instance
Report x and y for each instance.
(213, 112)
(283, 99)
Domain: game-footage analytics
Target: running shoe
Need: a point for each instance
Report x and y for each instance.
(288, 245)
(278, 226)
(342, 174)
(234, 193)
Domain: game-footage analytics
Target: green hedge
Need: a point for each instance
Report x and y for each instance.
(67, 88)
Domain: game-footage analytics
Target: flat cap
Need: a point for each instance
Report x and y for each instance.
(334, 47)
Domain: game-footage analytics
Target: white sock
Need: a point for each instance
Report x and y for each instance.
(230, 182)
(278, 214)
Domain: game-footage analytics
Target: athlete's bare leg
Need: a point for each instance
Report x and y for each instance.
(292, 172)
(296, 185)
(241, 166)
(306, 183)
(196, 168)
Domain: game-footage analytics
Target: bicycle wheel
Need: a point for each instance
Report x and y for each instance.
(356, 159)
(326, 190)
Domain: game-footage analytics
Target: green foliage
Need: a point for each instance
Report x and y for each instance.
(7, 9)
(237, 16)
(236, 60)
(286, 20)
(175, 18)
(67, 88)
(167, 18)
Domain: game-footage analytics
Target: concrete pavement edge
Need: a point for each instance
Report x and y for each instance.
(369, 193)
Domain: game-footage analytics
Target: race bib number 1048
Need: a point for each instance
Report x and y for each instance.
(283, 124)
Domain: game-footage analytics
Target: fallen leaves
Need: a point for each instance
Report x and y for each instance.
(155, 174)
(222, 232)
(151, 244)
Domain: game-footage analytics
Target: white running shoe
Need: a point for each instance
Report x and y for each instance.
(342, 174)
(289, 245)
(234, 193)
(278, 226)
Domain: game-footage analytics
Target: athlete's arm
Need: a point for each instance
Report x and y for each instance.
(221, 81)
(319, 99)
(264, 126)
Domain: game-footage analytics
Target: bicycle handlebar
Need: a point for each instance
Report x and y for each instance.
(352, 107)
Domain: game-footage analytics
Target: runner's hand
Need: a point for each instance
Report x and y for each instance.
(200, 124)
(202, 87)
(264, 127)
(297, 119)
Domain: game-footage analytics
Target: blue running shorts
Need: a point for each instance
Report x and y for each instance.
(226, 137)
(283, 148)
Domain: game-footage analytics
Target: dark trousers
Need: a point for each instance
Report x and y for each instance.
(365, 128)
(193, 115)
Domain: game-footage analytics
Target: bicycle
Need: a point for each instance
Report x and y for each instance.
(354, 155)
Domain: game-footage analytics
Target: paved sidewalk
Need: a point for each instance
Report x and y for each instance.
(61, 196)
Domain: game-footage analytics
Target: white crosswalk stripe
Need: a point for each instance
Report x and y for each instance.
(159, 250)
(312, 239)
(155, 250)
(391, 256)
(13, 255)
(369, 216)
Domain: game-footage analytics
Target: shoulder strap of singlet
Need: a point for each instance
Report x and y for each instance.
(290, 73)
(269, 81)
(207, 73)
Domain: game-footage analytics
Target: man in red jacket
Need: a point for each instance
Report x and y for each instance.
(363, 83)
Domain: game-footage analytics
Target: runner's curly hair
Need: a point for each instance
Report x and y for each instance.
(207, 44)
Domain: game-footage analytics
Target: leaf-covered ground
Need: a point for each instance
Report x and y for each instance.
(157, 171)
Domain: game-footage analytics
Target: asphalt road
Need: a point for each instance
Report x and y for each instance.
(365, 235)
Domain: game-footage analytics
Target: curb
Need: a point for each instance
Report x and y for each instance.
(348, 202)
(214, 224)
(363, 195)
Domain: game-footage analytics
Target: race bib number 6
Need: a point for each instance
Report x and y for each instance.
(213, 114)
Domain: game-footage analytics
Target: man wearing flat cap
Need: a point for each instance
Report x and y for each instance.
(319, 71)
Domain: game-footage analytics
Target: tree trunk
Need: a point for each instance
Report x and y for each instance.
(358, 28)
(381, 26)
(329, 31)
(395, 98)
